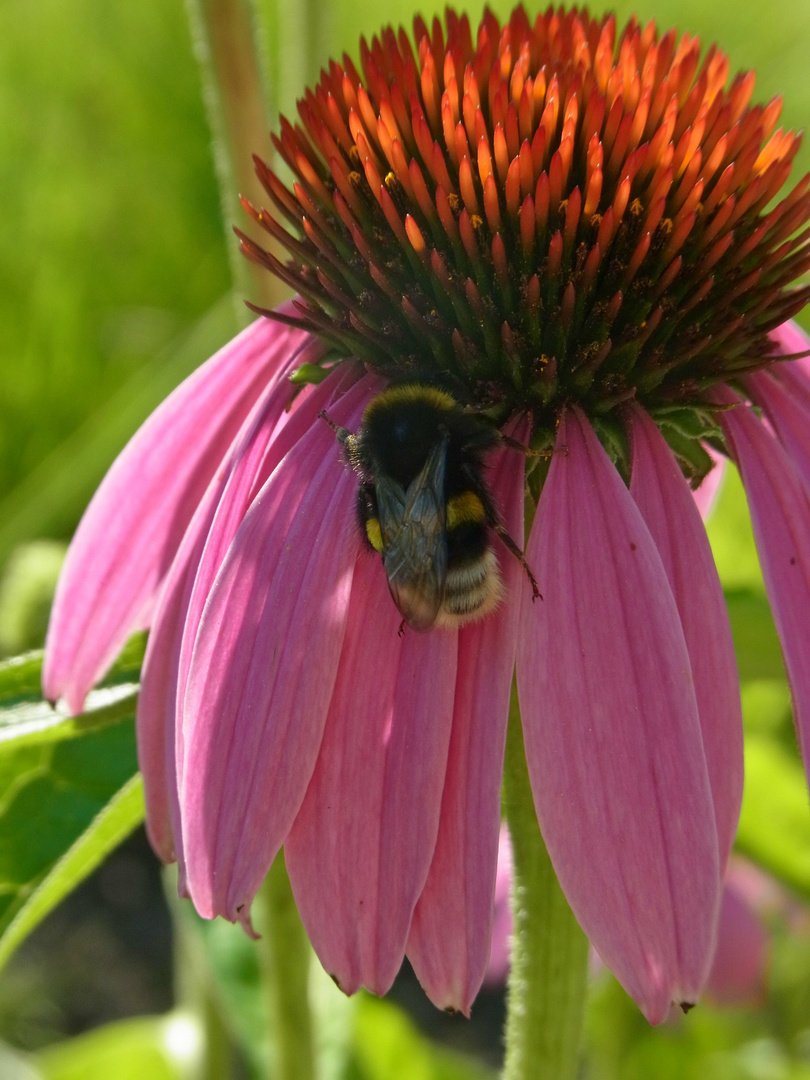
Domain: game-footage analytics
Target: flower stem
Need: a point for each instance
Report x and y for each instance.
(234, 86)
(299, 39)
(285, 959)
(194, 985)
(548, 973)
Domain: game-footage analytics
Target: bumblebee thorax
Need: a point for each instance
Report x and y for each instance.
(396, 442)
(403, 424)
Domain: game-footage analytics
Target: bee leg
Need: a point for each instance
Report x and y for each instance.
(341, 433)
(495, 524)
(521, 558)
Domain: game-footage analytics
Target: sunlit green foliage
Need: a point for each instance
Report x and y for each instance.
(113, 252)
(112, 242)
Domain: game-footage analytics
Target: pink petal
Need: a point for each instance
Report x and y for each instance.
(449, 943)
(790, 339)
(263, 669)
(191, 575)
(612, 735)
(263, 452)
(705, 495)
(132, 528)
(500, 950)
(738, 975)
(669, 511)
(780, 515)
(785, 397)
(155, 717)
(359, 852)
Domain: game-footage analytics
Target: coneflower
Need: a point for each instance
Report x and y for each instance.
(571, 236)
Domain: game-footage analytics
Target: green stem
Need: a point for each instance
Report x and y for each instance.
(225, 43)
(548, 973)
(285, 958)
(195, 990)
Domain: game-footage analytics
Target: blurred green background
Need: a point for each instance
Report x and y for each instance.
(115, 281)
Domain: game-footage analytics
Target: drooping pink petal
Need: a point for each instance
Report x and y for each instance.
(780, 516)
(669, 511)
(449, 943)
(255, 465)
(154, 726)
(191, 575)
(706, 494)
(263, 669)
(739, 969)
(359, 852)
(791, 339)
(785, 397)
(133, 526)
(612, 735)
(500, 948)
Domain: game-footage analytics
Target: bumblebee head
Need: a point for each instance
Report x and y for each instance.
(400, 429)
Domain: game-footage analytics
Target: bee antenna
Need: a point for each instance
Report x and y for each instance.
(341, 433)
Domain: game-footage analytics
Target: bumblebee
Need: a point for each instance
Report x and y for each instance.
(424, 506)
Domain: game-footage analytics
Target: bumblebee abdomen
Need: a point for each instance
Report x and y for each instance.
(472, 589)
(465, 508)
(467, 528)
(473, 585)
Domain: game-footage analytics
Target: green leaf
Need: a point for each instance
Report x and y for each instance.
(122, 814)
(55, 822)
(25, 719)
(691, 455)
(69, 788)
(39, 722)
(774, 826)
(149, 1048)
(20, 679)
(309, 374)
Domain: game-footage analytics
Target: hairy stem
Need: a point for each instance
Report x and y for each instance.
(548, 973)
(226, 45)
(285, 959)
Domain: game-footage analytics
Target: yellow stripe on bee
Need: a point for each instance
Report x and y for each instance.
(373, 533)
(406, 393)
(465, 509)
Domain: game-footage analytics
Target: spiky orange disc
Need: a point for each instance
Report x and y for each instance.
(543, 215)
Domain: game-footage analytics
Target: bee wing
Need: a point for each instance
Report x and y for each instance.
(412, 525)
